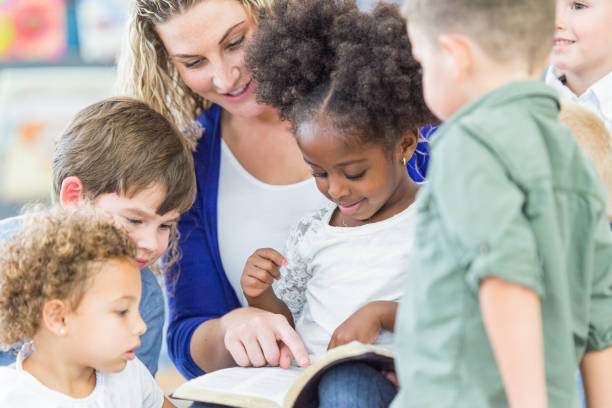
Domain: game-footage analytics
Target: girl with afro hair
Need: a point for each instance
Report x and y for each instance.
(347, 83)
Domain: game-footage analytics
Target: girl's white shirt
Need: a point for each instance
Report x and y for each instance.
(598, 98)
(132, 387)
(252, 214)
(333, 271)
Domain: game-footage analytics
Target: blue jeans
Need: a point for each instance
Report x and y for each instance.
(355, 385)
(580, 389)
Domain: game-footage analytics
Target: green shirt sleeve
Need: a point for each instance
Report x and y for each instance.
(488, 222)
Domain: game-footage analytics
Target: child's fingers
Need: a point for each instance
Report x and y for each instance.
(332, 343)
(260, 276)
(269, 259)
(268, 266)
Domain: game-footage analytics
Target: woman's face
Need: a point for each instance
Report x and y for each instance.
(207, 45)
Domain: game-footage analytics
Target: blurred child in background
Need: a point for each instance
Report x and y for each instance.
(581, 61)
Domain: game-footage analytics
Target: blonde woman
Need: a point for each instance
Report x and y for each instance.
(186, 59)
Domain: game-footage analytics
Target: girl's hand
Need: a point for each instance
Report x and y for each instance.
(261, 269)
(364, 326)
(391, 375)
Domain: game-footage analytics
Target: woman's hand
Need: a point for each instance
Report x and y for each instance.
(365, 324)
(261, 269)
(257, 338)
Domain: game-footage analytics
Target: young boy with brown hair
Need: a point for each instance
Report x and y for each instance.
(513, 252)
(125, 159)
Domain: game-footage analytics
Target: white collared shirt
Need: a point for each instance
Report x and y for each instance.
(598, 98)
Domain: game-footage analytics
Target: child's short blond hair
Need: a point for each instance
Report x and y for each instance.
(53, 256)
(507, 30)
(593, 139)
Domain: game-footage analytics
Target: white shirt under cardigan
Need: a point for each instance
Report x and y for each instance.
(333, 271)
(597, 98)
(133, 387)
(252, 214)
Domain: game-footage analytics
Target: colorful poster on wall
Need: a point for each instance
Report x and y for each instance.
(32, 30)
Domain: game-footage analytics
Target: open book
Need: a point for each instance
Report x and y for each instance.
(276, 387)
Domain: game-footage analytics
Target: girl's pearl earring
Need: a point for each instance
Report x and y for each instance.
(404, 160)
(62, 331)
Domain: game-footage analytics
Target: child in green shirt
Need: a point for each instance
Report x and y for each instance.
(511, 282)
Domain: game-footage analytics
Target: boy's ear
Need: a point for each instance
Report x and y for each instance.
(54, 316)
(72, 191)
(459, 55)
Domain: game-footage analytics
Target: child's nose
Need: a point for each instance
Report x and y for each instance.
(561, 15)
(336, 188)
(147, 240)
(140, 327)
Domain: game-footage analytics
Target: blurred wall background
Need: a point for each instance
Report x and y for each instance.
(56, 56)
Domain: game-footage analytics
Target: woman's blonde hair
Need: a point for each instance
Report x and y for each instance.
(145, 70)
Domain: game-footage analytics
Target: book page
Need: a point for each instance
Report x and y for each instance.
(265, 382)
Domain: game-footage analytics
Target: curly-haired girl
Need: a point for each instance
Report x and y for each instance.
(348, 84)
(69, 293)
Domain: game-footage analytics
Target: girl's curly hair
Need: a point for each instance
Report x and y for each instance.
(51, 258)
(325, 57)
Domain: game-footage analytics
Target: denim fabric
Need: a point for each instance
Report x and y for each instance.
(355, 385)
(151, 308)
(580, 389)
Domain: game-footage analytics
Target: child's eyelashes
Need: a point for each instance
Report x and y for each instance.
(355, 176)
(577, 5)
(134, 221)
(121, 312)
(165, 226)
(348, 176)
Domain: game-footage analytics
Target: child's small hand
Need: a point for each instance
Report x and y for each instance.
(364, 326)
(391, 376)
(261, 269)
